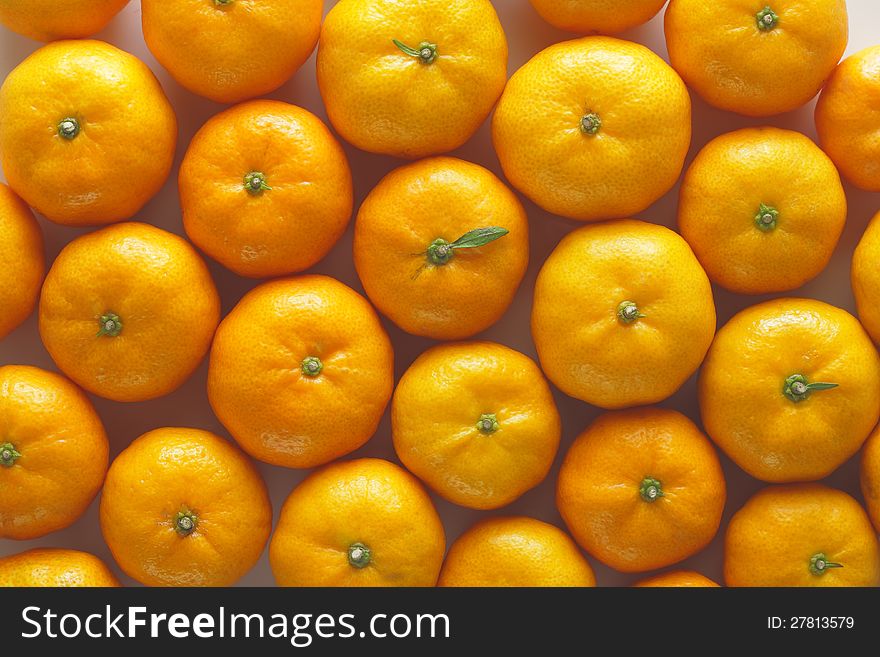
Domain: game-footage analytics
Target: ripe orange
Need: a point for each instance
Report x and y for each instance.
(677, 579)
(55, 567)
(790, 389)
(47, 20)
(595, 128)
(476, 421)
(848, 118)
(606, 16)
(265, 189)
(866, 278)
(87, 135)
(21, 254)
(870, 477)
(128, 312)
(183, 507)
(301, 371)
(515, 551)
(53, 452)
(411, 79)
(763, 209)
(365, 522)
(641, 489)
(231, 50)
(756, 58)
(623, 314)
(801, 535)
(441, 246)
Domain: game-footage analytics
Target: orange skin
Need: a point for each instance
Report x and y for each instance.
(603, 16)
(264, 42)
(440, 404)
(52, 567)
(641, 489)
(121, 128)
(746, 410)
(265, 232)
(586, 346)
(368, 512)
(406, 212)
(160, 291)
(47, 20)
(515, 551)
(870, 477)
(677, 579)
(866, 279)
(722, 53)
(258, 383)
(848, 118)
(735, 183)
(774, 538)
(172, 472)
(21, 252)
(57, 452)
(641, 122)
(383, 100)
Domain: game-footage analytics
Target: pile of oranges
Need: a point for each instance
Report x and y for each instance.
(301, 371)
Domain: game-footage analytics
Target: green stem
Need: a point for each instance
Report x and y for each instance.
(590, 123)
(109, 324)
(68, 128)
(797, 388)
(766, 218)
(8, 455)
(185, 522)
(255, 183)
(426, 53)
(440, 251)
(628, 312)
(819, 564)
(359, 555)
(488, 423)
(767, 19)
(312, 366)
(650, 489)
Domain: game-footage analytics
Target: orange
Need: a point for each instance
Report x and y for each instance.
(128, 311)
(606, 16)
(53, 452)
(677, 579)
(595, 128)
(756, 57)
(301, 371)
(21, 254)
(411, 79)
(870, 477)
(441, 246)
(183, 507)
(265, 189)
(801, 535)
(55, 567)
(476, 421)
(365, 522)
(790, 389)
(763, 209)
(848, 118)
(516, 551)
(866, 278)
(87, 135)
(641, 489)
(47, 20)
(231, 50)
(623, 314)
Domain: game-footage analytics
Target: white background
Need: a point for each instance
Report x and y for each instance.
(527, 34)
